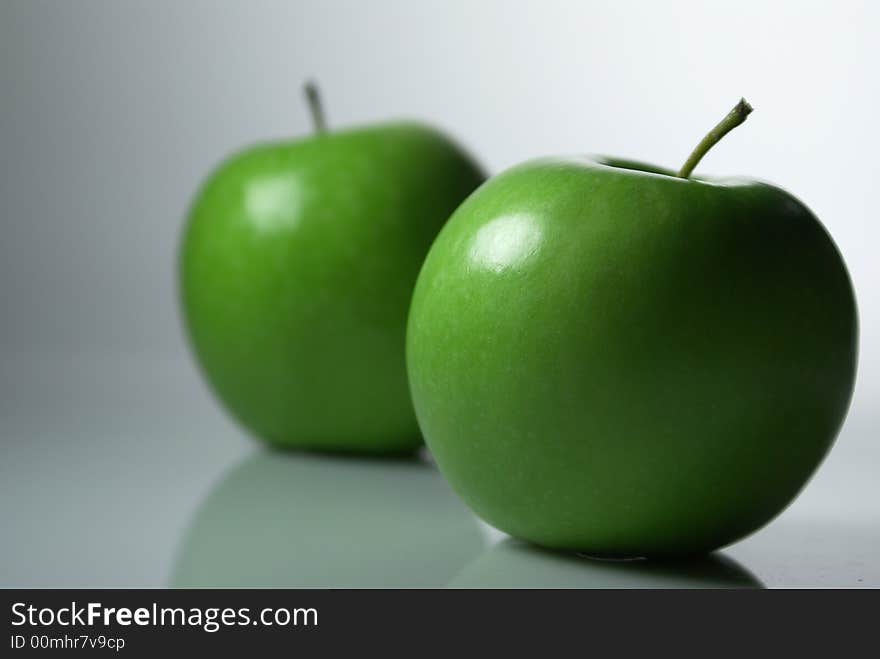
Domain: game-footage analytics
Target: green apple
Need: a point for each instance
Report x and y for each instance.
(297, 267)
(280, 519)
(608, 357)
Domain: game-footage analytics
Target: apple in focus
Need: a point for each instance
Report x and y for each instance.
(608, 357)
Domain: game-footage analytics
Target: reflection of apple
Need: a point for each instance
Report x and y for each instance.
(284, 520)
(607, 357)
(297, 268)
(511, 564)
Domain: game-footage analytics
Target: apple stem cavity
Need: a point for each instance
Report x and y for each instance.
(733, 119)
(316, 107)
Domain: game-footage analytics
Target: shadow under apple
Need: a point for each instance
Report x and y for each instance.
(514, 564)
(301, 520)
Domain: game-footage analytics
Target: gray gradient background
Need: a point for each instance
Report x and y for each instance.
(112, 112)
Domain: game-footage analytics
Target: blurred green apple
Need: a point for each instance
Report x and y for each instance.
(608, 357)
(297, 266)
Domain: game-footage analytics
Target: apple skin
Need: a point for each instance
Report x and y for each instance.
(297, 267)
(609, 359)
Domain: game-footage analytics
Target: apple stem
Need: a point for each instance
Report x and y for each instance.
(733, 119)
(316, 107)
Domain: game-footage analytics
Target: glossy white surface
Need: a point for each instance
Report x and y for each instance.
(121, 471)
